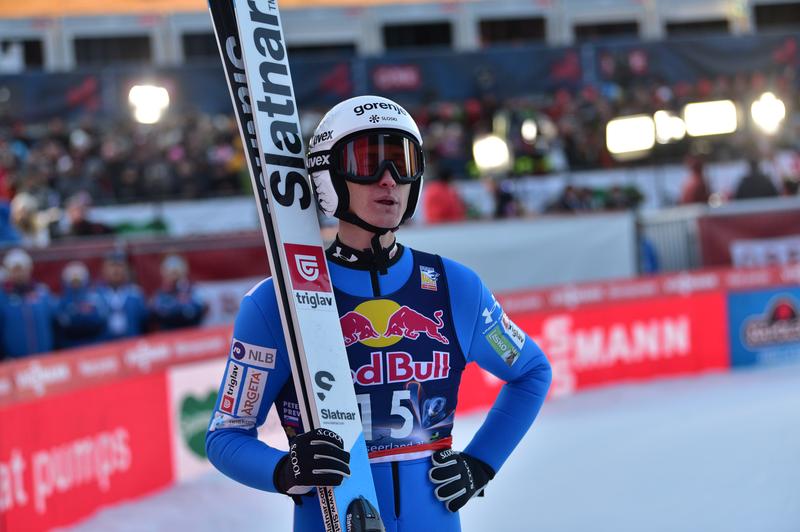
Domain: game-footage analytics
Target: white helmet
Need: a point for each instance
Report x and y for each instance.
(357, 140)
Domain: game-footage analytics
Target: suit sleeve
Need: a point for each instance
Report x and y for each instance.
(492, 340)
(256, 370)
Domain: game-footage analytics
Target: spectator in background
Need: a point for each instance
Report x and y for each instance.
(127, 308)
(81, 313)
(176, 304)
(790, 186)
(27, 309)
(32, 224)
(441, 201)
(695, 187)
(570, 200)
(755, 184)
(9, 236)
(505, 204)
(76, 222)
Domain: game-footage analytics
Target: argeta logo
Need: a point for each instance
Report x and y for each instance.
(307, 268)
(324, 380)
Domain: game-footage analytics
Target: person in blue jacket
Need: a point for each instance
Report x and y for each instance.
(176, 304)
(27, 309)
(127, 307)
(411, 321)
(81, 313)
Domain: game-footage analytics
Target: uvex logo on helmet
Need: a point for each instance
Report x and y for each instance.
(316, 161)
(373, 106)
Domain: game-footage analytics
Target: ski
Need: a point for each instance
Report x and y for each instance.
(252, 47)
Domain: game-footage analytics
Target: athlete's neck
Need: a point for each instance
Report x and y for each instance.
(359, 239)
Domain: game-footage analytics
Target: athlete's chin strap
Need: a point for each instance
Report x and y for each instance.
(380, 258)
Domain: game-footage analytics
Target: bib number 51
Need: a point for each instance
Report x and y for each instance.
(404, 430)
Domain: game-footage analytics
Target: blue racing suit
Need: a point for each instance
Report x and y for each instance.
(81, 316)
(177, 307)
(410, 327)
(27, 314)
(127, 310)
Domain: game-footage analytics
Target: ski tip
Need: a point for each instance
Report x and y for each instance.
(363, 517)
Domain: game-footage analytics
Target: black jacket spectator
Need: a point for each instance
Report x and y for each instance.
(755, 184)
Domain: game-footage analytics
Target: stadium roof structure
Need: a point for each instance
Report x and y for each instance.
(76, 8)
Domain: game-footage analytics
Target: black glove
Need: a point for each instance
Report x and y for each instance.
(316, 458)
(459, 477)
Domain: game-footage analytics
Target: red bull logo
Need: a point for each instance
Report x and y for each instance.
(383, 322)
(399, 366)
(357, 327)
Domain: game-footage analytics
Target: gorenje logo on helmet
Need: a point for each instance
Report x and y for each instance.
(361, 109)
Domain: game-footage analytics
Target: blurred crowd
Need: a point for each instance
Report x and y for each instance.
(86, 311)
(50, 174)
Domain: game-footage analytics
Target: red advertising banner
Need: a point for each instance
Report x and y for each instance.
(624, 341)
(63, 457)
(750, 240)
(35, 377)
(632, 341)
(209, 257)
(570, 297)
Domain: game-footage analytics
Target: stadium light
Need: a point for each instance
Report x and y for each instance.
(768, 113)
(529, 130)
(710, 118)
(149, 103)
(491, 154)
(669, 128)
(630, 136)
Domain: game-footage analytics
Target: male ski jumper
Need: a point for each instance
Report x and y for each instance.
(411, 321)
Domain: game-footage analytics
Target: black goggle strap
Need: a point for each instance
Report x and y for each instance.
(319, 161)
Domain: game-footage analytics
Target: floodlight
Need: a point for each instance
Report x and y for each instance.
(669, 128)
(630, 134)
(491, 153)
(768, 113)
(529, 130)
(710, 118)
(149, 103)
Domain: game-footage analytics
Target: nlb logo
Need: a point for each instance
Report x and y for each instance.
(399, 366)
(253, 355)
(307, 268)
(383, 322)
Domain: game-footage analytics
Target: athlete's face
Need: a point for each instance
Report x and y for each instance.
(381, 204)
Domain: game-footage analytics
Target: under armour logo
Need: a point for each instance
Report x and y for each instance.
(338, 254)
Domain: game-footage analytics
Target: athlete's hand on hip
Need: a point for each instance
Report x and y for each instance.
(316, 458)
(458, 477)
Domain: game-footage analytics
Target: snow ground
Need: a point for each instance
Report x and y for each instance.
(719, 452)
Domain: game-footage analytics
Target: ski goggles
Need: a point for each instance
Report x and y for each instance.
(363, 158)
